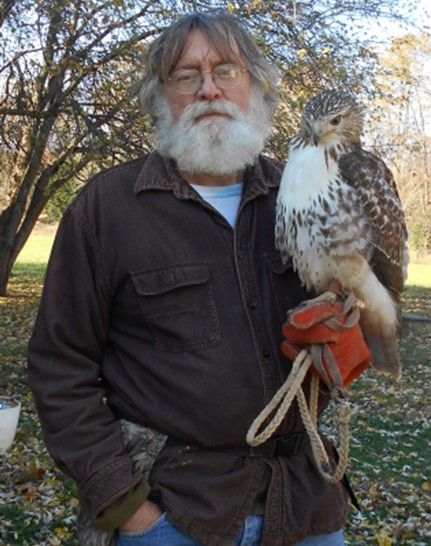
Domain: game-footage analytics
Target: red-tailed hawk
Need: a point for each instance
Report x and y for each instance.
(339, 217)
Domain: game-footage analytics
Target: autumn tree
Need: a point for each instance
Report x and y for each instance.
(400, 128)
(68, 83)
(67, 69)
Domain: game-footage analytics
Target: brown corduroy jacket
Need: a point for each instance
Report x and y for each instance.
(157, 311)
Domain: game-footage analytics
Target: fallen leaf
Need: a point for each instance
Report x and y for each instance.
(383, 539)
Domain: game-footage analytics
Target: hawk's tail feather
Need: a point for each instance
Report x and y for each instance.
(383, 345)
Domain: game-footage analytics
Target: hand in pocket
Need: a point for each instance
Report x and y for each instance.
(144, 517)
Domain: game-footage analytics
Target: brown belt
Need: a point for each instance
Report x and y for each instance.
(284, 446)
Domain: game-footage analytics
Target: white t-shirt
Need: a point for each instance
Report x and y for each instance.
(225, 199)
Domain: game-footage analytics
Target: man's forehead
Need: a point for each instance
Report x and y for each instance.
(198, 48)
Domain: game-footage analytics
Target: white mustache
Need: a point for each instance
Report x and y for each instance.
(199, 109)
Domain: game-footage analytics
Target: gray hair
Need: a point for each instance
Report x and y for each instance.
(219, 28)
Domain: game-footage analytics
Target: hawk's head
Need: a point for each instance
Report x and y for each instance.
(332, 117)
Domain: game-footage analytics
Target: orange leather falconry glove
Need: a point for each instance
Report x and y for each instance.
(331, 333)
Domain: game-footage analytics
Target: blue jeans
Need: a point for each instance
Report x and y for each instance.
(163, 533)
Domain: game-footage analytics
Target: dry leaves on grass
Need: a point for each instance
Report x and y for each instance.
(390, 459)
(390, 451)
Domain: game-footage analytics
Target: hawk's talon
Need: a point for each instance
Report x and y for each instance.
(326, 297)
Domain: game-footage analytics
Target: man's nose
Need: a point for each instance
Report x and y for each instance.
(208, 90)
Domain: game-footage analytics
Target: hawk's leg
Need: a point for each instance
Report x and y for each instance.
(333, 290)
(326, 297)
(378, 313)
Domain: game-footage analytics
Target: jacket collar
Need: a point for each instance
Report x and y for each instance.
(159, 173)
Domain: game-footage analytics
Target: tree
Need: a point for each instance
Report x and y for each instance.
(401, 131)
(67, 88)
(66, 100)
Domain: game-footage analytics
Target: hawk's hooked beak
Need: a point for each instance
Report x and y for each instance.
(316, 133)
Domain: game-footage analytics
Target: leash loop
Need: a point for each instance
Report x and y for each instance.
(280, 405)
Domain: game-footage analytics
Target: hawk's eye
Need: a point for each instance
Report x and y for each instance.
(336, 120)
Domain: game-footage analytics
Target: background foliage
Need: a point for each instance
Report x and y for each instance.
(390, 467)
(69, 74)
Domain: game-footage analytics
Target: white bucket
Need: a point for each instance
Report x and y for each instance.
(9, 415)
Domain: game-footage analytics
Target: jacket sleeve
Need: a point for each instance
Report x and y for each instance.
(65, 351)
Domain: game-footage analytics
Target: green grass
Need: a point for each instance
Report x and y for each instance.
(419, 275)
(23, 530)
(389, 463)
(36, 249)
(29, 269)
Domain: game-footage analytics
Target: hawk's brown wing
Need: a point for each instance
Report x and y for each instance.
(379, 198)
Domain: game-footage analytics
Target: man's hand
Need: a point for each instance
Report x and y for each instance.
(330, 331)
(144, 516)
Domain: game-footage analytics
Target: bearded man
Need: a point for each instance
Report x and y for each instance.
(163, 306)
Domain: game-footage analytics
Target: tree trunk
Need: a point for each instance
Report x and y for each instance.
(18, 220)
(12, 240)
(6, 263)
(7, 236)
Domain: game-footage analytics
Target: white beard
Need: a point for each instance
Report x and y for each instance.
(215, 146)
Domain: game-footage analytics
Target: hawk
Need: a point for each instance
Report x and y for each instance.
(339, 217)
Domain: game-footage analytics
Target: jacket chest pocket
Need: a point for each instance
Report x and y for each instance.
(179, 307)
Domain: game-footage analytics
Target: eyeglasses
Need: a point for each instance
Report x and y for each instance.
(187, 81)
